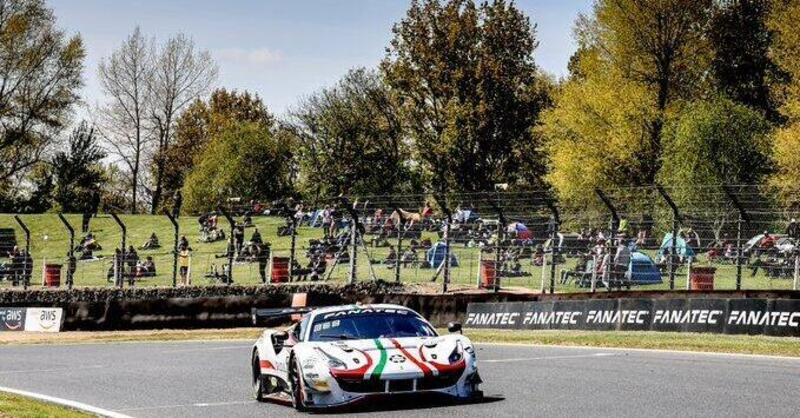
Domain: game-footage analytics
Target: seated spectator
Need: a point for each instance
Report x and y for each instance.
(409, 257)
(391, 258)
(151, 243)
(256, 237)
(146, 268)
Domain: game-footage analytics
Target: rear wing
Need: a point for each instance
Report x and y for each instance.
(298, 309)
(266, 314)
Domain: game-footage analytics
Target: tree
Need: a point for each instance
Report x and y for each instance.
(202, 120)
(740, 41)
(786, 54)
(350, 139)
(596, 136)
(124, 80)
(240, 161)
(180, 75)
(716, 142)
(659, 45)
(147, 86)
(464, 78)
(40, 75)
(711, 142)
(77, 173)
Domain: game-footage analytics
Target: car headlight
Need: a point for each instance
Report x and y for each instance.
(333, 362)
(457, 354)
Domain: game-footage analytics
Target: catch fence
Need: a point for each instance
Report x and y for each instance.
(738, 236)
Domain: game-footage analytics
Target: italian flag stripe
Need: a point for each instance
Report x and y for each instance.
(376, 373)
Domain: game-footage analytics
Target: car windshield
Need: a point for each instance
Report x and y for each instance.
(369, 325)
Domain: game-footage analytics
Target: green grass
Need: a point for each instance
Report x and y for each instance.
(719, 343)
(139, 227)
(12, 406)
(743, 344)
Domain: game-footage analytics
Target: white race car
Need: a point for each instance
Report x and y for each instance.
(338, 356)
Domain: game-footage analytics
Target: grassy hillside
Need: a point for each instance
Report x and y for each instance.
(50, 242)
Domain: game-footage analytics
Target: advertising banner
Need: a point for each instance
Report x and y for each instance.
(779, 317)
(31, 319)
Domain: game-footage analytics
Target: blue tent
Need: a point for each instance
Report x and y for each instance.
(435, 255)
(642, 269)
(681, 248)
(316, 219)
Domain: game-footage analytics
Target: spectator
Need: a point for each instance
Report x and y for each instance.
(184, 261)
(793, 231)
(262, 255)
(621, 261)
(178, 202)
(256, 237)
(151, 243)
(391, 258)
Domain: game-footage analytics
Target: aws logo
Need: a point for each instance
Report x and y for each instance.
(12, 319)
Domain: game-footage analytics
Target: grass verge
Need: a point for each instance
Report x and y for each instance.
(13, 406)
(718, 343)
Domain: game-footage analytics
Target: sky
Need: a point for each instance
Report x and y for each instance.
(282, 49)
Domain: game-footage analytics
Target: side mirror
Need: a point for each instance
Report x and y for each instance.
(453, 327)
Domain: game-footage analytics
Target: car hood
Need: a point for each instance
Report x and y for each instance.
(392, 358)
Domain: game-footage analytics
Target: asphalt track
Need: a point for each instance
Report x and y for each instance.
(204, 379)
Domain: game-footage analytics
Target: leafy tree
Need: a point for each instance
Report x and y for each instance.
(740, 42)
(40, 74)
(244, 160)
(786, 54)
(202, 120)
(77, 174)
(464, 76)
(658, 45)
(351, 139)
(596, 136)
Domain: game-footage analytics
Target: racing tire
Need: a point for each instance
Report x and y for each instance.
(258, 381)
(298, 392)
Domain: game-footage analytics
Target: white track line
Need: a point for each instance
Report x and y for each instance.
(189, 405)
(64, 369)
(65, 402)
(201, 349)
(513, 360)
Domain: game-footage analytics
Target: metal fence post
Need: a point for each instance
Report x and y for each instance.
(26, 278)
(796, 269)
(120, 270)
(399, 226)
(615, 221)
(174, 247)
(293, 248)
(743, 218)
(676, 219)
(555, 249)
(70, 251)
(232, 247)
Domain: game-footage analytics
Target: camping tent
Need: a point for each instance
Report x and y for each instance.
(642, 269)
(435, 255)
(681, 247)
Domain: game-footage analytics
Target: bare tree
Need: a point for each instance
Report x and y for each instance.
(123, 119)
(180, 75)
(40, 73)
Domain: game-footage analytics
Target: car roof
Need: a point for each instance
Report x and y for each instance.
(329, 309)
